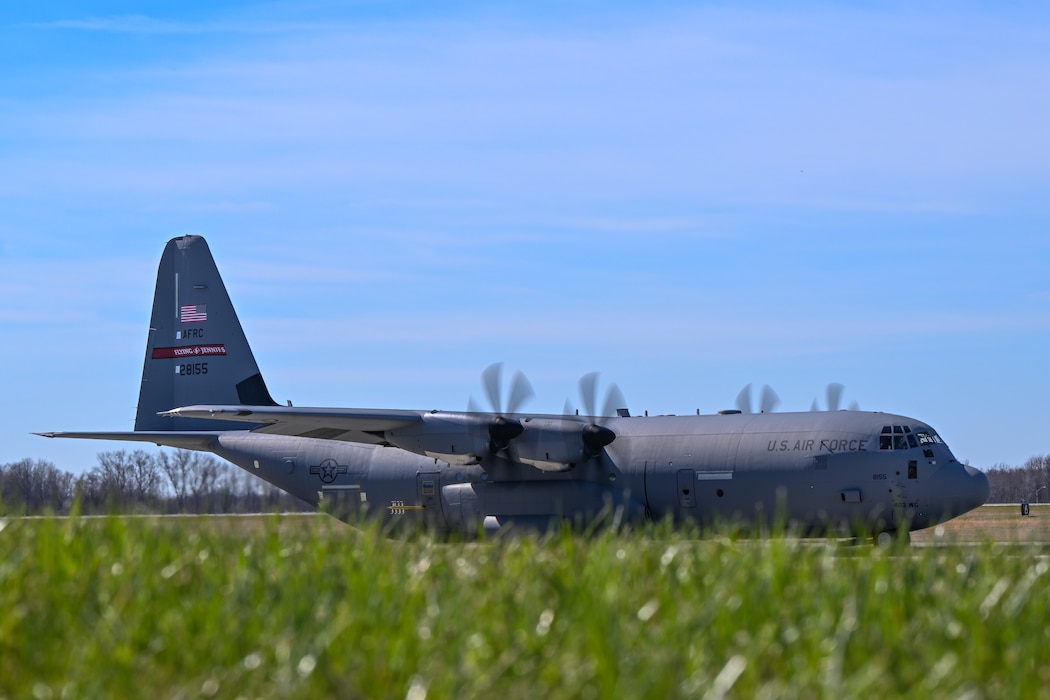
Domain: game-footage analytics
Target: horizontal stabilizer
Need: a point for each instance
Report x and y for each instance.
(187, 440)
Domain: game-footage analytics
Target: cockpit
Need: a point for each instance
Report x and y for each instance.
(902, 437)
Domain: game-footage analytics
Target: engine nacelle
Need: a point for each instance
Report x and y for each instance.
(553, 444)
(455, 438)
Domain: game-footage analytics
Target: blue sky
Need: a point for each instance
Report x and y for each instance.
(686, 197)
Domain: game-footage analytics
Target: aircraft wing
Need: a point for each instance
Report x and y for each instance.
(549, 443)
(323, 423)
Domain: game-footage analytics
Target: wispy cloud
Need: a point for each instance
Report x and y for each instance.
(629, 332)
(52, 292)
(145, 24)
(654, 108)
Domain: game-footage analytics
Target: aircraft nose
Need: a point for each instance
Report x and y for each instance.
(963, 489)
(979, 483)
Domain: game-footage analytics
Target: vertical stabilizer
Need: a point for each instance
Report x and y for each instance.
(196, 352)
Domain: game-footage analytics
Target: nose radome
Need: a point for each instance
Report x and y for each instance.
(962, 489)
(958, 489)
(979, 484)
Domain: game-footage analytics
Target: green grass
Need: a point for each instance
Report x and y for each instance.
(308, 607)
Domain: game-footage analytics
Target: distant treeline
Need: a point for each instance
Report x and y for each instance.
(138, 482)
(1028, 482)
(195, 482)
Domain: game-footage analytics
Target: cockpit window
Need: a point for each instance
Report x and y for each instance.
(928, 437)
(902, 437)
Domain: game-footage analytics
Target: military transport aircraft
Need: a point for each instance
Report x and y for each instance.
(837, 472)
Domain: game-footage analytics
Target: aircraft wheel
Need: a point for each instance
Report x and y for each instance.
(886, 538)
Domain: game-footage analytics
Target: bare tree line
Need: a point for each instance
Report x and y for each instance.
(138, 482)
(1030, 482)
(193, 482)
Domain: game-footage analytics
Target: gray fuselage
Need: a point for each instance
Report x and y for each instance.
(843, 471)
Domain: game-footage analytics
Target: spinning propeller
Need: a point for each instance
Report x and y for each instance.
(556, 444)
(596, 437)
(501, 428)
(767, 401)
(614, 398)
(834, 399)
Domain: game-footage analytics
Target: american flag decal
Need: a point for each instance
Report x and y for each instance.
(193, 313)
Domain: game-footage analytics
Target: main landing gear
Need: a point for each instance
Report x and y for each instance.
(886, 538)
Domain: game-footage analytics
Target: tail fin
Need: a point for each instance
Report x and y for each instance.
(196, 352)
